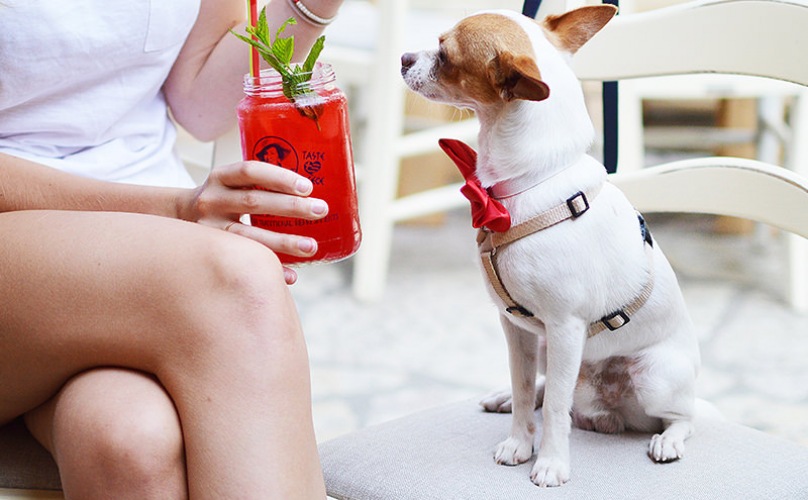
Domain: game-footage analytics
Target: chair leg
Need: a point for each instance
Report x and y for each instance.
(227, 148)
(380, 157)
(372, 261)
(798, 269)
(798, 162)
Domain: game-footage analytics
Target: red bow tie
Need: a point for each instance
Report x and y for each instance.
(485, 211)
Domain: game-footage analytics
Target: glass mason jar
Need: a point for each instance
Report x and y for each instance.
(309, 135)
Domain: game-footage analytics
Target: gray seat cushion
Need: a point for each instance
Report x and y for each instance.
(24, 464)
(447, 454)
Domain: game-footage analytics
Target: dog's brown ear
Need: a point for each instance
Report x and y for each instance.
(573, 29)
(517, 77)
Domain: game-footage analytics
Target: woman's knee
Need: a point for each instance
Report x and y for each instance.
(240, 297)
(245, 270)
(117, 431)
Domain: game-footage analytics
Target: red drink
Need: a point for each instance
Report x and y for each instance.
(310, 136)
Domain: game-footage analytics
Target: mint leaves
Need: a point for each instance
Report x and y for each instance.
(278, 54)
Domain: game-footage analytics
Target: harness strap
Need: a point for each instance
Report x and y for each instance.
(622, 316)
(511, 306)
(575, 206)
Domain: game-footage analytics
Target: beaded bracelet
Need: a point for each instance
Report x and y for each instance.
(311, 16)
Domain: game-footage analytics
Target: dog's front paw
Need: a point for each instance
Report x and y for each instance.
(549, 471)
(513, 451)
(666, 448)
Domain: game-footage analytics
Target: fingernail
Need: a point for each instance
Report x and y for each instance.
(319, 207)
(307, 245)
(303, 186)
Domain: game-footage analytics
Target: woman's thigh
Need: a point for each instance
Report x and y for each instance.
(84, 289)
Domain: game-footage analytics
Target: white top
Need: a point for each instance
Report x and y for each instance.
(80, 86)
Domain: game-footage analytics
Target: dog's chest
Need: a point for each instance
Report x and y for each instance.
(546, 266)
(555, 271)
(587, 265)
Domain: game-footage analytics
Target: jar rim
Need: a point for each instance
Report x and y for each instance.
(270, 80)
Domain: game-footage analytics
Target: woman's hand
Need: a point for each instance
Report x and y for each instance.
(231, 191)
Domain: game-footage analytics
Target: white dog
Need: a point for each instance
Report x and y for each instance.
(585, 296)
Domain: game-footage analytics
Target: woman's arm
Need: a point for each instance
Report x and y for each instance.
(227, 193)
(205, 84)
(25, 185)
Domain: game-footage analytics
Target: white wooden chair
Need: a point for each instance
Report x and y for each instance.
(447, 452)
(763, 50)
(771, 97)
(384, 146)
(399, 25)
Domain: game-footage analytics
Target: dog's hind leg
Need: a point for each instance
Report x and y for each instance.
(502, 401)
(522, 356)
(666, 390)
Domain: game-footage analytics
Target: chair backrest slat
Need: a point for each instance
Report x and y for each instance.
(772, 37)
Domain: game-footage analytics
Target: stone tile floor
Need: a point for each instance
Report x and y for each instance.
(435, 337)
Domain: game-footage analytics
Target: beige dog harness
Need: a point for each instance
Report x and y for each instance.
(496, 232)
(575, 206)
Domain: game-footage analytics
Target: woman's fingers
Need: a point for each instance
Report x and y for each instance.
(256, 188)
(259, 188)
(227, 202)
(247, 174)
(289, 244)
(290, 276)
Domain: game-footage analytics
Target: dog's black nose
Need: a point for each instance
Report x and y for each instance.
(407, 60)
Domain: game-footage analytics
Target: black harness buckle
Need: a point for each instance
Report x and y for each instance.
(519, 311)
(578, 204)
(646, 233)
(615, 320)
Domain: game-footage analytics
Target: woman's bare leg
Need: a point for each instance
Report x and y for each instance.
(114, 434)
(207, 312)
